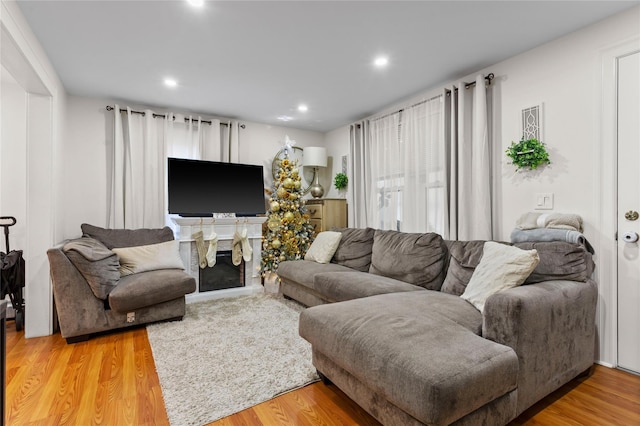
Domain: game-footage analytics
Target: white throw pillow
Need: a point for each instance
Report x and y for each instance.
(501, 267)
(323, 247)
(149, 258)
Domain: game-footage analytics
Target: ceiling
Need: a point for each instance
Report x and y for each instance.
(258, 60)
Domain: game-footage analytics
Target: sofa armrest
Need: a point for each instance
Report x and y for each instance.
(551, 327)
(79, 311)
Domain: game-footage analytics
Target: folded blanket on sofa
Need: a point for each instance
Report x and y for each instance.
(548, 234)
(533, 220)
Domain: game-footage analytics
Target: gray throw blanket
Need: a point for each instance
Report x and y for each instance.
(533, 220)
(548, 234)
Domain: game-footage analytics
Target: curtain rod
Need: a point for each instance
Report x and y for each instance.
(186, 120)
(488, 77)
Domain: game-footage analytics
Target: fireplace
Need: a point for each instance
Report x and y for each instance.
(224, 274)
(241, 280)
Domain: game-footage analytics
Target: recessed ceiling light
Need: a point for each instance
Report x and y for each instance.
(196, 3)
(169, 82)
(303, 108)
(285, 118)
(381, 61)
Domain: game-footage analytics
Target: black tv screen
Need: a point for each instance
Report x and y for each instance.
(201, 188)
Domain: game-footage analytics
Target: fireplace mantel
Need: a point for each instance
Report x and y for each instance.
(224, 228)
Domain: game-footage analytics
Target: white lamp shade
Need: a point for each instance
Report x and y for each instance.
(314, 156)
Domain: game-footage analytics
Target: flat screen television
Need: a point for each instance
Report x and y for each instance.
(200, 188)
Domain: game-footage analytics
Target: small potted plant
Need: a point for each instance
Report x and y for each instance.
(340, 181)
(529, 153)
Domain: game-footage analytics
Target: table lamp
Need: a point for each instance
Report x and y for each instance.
(315, 157)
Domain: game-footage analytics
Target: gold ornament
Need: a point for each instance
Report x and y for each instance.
(293, 196)
(281, 191)
(276, 244)
(288, 216)
(288, 183)
(297, 184)
(273, 225)
(275, 206)
(294, 172)
(283, 257)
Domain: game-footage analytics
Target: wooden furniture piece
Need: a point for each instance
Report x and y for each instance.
(327, 213)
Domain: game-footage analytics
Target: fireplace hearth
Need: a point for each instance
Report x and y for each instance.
(224, 274)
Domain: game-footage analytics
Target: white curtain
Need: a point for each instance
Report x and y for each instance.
(358, 170)
(137, 185)
(424, 164)
(426, 168)
(142, 143)
(469, 178)
(230, 143)
(408, 169)
(190, 138)
(385, 172)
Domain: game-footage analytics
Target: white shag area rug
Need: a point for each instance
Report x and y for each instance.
(227, 355)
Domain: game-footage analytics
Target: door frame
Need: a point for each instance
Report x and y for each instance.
(606, 203)
(22, 56)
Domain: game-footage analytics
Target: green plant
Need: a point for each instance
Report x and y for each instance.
(340, 181)
(530, 153)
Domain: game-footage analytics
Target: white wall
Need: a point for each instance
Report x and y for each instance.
(32, 122)
(259, 143)
(87, 144)
(566, 75)
(337, 144)
(13, 159)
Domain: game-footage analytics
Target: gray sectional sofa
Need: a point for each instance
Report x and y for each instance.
(90, 294)
(391, 331)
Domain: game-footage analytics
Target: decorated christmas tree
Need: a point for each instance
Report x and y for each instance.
(288, 233)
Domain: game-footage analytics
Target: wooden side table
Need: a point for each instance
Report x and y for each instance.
(327, 213)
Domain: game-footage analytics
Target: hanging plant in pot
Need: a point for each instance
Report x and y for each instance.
(528, 154)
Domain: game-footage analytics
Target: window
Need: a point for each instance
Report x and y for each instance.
(408, 169)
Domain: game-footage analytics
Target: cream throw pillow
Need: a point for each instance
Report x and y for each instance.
(149, 258)
(323, 247)
(501, 267)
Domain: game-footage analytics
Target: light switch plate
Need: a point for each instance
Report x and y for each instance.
(543, 201)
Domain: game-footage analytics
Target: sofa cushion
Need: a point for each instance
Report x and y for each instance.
(501, 267)
(419, 350)
(413, 258)
(303, 271)
(559, 260)
(149, 288)
(113, 238)
(323, 247)
(354, 250)
(340, 286)
(97, 264)
(134, 260)
(464, 257)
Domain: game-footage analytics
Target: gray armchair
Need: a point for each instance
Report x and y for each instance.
(91, 296)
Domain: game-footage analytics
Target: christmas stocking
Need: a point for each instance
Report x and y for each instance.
(213, 249)
(247, 251)
(202, 251)
(236, 249)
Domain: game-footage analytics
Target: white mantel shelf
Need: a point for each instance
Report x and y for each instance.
(224, 228)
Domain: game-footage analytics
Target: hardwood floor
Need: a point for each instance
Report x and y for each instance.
(111, 380)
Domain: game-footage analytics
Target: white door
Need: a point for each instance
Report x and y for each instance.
(628, 210)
